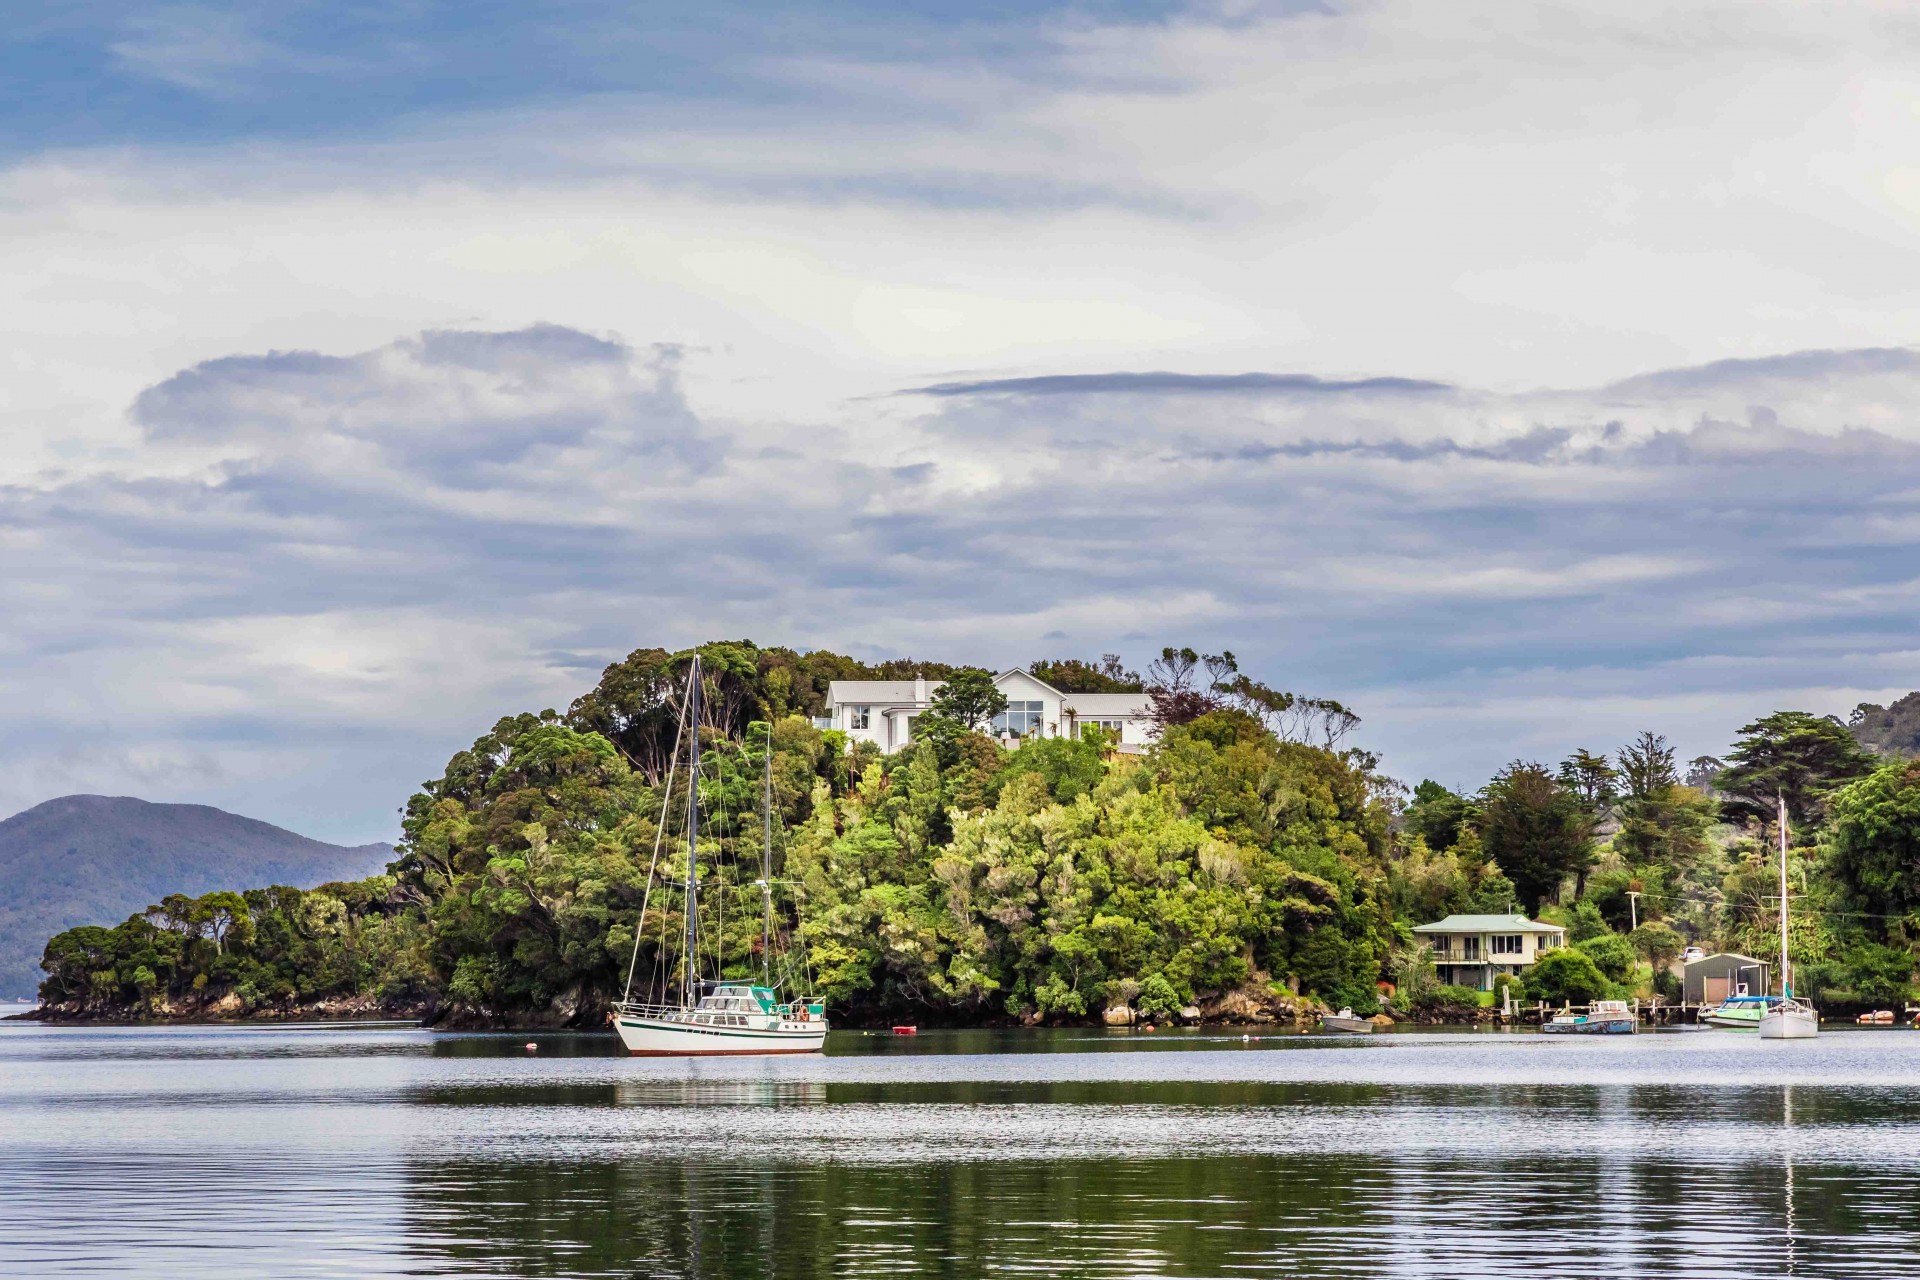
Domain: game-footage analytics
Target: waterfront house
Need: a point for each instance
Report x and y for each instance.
(1471, 951)
(1711, 979)
(883, 711)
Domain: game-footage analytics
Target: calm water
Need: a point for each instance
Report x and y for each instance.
(370, 1151)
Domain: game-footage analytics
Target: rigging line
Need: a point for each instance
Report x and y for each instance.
(659, 834)
(659, 963)
(717, 827)
(1768, 899)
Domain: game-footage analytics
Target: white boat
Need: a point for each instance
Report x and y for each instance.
(1346, 1020)
(734, 1017)
(720, 1015)
(1788, 1018)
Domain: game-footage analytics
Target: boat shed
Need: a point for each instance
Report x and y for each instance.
(1711, 979)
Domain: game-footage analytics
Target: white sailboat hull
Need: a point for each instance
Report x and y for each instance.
(673, 1037)
(1789, 1024)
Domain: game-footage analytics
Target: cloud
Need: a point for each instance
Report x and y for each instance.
(365, 557)
(1316, 331)
(462, 405)
(194, 47)
(1299, 384)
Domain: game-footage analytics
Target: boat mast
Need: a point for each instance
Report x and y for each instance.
(766, 868)
(693, 838)
(1786, 983)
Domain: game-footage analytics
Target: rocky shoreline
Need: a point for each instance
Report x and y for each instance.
(1255, 1003)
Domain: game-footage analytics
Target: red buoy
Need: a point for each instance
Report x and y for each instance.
(906, 1031)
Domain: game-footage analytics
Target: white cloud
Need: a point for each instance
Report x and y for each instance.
(273, 546)
(375, 553)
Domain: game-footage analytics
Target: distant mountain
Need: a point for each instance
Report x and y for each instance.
(99, 859)
(1891, 731)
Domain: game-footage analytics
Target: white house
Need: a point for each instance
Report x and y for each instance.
(883, 711)
(1470, 951)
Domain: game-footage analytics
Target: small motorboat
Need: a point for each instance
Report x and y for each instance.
(1602, 1018)
(1346, 1020)
(1741, 1012)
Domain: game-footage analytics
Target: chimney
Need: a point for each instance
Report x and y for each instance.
(920, 688)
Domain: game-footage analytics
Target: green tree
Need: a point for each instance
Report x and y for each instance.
(1568, 975)
(1437, 815)
(1873, 849)
(1881, 975)
(1611, 954)
(969, 698)
(1591, 777)
(1663, 824)
(1793, 754)
(1538, 831)
(1659, 943)
(1072, 675)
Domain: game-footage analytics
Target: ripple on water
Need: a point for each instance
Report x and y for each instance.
(333, 1152)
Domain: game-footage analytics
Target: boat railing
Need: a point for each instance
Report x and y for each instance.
(635, 1009)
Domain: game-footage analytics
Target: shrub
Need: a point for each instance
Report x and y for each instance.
(1586, 922)
(1448, 997)
(1882, 975)
(1611, 954)
(1568, 974)
(1158, 999)
(1054, 997)
(1658, 942)
(1362, 1000)
(1667, 985)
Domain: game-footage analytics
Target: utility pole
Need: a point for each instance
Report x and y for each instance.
(1633, 906)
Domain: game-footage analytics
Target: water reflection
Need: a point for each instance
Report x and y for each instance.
(398, 1153)
(1326, 1216)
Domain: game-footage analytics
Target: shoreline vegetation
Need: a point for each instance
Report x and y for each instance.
(1248, 868)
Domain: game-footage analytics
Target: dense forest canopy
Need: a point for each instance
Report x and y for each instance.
(964, 878)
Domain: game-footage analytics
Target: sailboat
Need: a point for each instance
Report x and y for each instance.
(1787, 1019)
(716, 1016)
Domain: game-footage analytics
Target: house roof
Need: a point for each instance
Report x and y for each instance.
(1108, 704)
(904, 691)
(1488, 924)
(876, 690)
(1022, 671)
(1726, 955)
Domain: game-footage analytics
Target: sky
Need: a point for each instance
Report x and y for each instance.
(1521, 375)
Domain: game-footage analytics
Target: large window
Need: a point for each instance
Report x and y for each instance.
(1113, 727)
(859, 717)
(1469, 948)
(1019, 719)
(1506, 944)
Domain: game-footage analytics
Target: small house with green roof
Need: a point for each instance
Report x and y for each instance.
(1471, 951)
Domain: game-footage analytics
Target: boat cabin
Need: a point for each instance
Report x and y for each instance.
(1471, 951)
(1723, 975)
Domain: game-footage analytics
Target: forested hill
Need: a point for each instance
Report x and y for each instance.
(1246, 864)
(79, 859)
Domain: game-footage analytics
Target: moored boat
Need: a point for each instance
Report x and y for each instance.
(1787, 1018)
(1602, 1018)
(1346, 1020)
(1741, 1013)
(1790, 1020)
(720, 1015)
(733, 1017)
